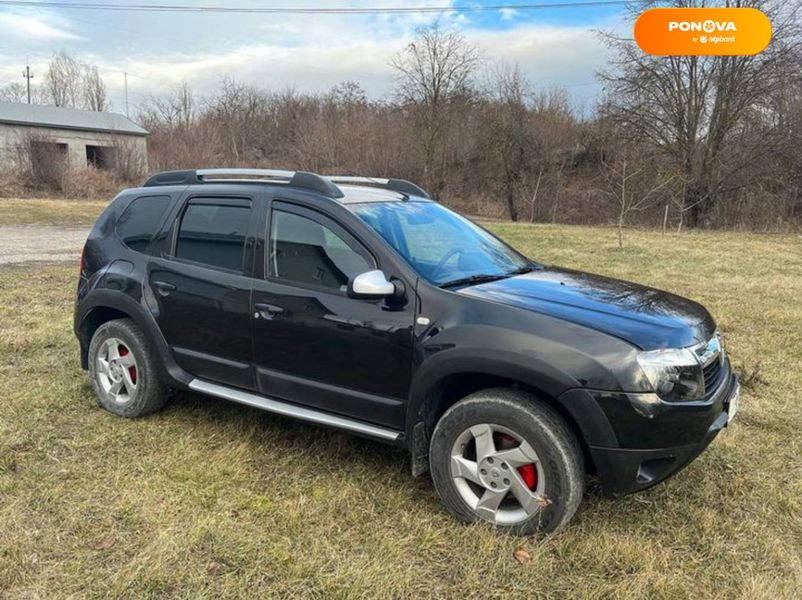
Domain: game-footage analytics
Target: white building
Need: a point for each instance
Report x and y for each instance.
(82, 137)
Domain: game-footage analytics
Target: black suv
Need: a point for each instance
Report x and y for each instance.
(360, 304)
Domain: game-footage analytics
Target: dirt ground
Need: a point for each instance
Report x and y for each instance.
(21, 244)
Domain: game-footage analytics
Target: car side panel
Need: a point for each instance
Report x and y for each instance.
(473, 336)
(324, 349)
(205, 319)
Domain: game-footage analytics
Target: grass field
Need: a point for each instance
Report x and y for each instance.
(26, 211)
(208, 499)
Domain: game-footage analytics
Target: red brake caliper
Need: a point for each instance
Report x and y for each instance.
(528, 472)
(529, 475)
(131, 370)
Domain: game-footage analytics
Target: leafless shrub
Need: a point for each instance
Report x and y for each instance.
(92, 183)
(632, 189)
(128, 162)
(41, 161)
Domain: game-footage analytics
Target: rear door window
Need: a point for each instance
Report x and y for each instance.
(213, 233)
(140, 220)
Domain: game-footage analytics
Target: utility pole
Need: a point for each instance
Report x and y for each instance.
(126, 94)
(28, 76)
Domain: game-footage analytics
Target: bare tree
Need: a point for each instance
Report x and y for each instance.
(694, 108)
(236, 107)
(94, 90)
(64, 80)
(507, 143)
(632, 190)
(552, 143)
(176, 110)
(435, 72)
(67, 83)
(14, 92)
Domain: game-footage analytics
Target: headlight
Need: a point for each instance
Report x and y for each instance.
(675, 374)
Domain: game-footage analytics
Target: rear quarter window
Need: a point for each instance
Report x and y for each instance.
(138, 223)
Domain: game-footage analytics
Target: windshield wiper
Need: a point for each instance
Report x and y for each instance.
(527, 269)
(486, 278)
(473, 279)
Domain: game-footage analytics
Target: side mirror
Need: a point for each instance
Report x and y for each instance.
(372, 284)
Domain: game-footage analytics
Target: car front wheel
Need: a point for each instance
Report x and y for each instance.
(503, 456)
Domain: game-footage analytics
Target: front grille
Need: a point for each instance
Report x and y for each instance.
(712, 375)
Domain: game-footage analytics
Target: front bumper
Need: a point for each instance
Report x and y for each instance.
(627, 469)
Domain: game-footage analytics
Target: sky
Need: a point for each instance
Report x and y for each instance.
(553, 47)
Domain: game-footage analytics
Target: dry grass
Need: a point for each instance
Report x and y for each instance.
(208, 499)
(27, 211)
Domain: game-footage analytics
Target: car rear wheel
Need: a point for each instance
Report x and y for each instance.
(124, 376)
(503, 457)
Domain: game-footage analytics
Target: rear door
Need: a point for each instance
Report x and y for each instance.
(313, 344)
(202, 289)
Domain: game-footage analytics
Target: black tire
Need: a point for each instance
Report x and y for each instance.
(149, 393)
(561, 459)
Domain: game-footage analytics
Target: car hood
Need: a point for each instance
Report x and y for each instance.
(643, 316)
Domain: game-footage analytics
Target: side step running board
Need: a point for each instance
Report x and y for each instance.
(292, 411)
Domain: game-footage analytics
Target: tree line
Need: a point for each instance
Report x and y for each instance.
(68, 83)
(674, 141)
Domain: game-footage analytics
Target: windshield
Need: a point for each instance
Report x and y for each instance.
(441, 246)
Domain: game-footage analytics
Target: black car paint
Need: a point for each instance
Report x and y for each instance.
(570, 336)
(643, 316)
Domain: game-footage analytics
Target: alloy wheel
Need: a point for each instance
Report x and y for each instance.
(498, 474)
(117, 372)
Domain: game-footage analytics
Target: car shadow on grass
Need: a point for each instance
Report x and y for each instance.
(290, 435)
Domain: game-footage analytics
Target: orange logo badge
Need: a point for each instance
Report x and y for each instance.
(703, 31)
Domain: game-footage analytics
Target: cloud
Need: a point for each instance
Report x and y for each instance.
(39, 28)
(508, 14)
(314, 52)
(309, 59)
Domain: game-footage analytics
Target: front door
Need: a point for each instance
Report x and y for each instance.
(313, 344)
(203, 293)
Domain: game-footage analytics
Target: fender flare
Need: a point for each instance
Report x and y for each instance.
(580, 407)
(103, 298)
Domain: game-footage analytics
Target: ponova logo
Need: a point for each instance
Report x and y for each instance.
(703, 31)
(708, 26)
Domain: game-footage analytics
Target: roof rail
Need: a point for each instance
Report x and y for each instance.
(301, 179)
(324, 184)
(397, 185)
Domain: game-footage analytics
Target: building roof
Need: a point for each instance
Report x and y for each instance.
(37, 115)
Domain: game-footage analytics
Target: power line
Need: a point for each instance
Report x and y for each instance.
(287, 10)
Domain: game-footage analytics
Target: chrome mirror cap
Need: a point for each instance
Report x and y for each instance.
(371, 284)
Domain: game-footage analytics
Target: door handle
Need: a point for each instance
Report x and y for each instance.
(164, 287)
(268, 311)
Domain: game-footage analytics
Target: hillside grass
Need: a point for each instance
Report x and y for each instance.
(208, 499)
